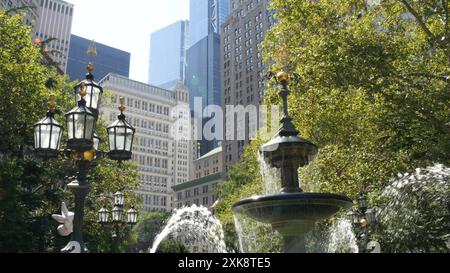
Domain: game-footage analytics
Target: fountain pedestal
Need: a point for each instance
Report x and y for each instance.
(292, 213)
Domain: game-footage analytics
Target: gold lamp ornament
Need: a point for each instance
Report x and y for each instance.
(283, 77)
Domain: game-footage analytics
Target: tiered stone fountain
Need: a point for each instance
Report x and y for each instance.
(292, 212)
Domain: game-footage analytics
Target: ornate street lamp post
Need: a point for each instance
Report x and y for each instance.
(118, 219)
(363, 218)
(82, 145)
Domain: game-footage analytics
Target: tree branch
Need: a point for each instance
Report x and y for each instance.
(418, 18)
(424, 27)
(445, 6)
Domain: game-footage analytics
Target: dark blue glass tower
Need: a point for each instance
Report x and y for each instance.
(108, 60)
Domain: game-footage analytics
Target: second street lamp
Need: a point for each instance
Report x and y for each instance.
(363, 219)
(118, 219)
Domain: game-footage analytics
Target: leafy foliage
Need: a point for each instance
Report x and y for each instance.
(144, 233)
(244, 181)
(172, 246)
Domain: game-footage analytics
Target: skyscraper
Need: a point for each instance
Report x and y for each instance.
(55, 21)
(108, 59)
(203, 78)
(168, 55)
(243, 69)
(206, 16)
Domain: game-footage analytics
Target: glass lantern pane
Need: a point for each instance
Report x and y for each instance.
(95, 98)
(134, 217)
(70, 129)
(37, 142)
(90, 123)
(115, 215)
(56, 132)
(45, 136)
(112, 143)
(105, 216)
(129, 139)
(120, 138)
(80, 121)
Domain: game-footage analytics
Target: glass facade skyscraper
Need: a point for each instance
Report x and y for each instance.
(198, 20)
(108, 60)
(206, 16)
(168, 55)
(203, 68)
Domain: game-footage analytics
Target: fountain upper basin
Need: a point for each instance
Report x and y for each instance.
(292, 214)
(290, 150)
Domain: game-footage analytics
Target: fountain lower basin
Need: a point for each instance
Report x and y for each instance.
(292, 214)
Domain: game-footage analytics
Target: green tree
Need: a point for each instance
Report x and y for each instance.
(30, 189)
(172, 246)
(144, 233)
(244, 181)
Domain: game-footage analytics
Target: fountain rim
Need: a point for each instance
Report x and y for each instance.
(292, 197)
(286, 140)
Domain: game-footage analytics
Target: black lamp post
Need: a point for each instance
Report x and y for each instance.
(118, 220)
(363, 218)
(82, 145)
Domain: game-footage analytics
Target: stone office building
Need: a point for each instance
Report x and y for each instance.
(207, 174)
(242, 72)
(162, 147)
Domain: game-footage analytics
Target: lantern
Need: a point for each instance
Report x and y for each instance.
(120, 136)
(48, 134)
(117, 214)
(103, 216)
(92, 89)
(363, 203)
(371, 216)
(132, 216)
(119, 199)
(80, 127)
(353, 217)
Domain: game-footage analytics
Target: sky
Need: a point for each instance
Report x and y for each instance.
(127, 25)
